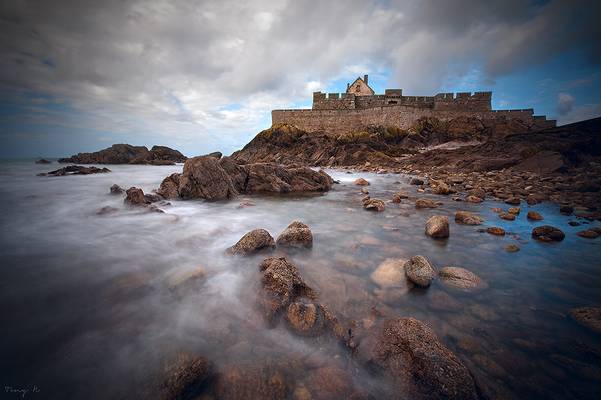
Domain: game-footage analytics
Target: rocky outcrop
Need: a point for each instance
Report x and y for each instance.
(212, 179)
(420, 366)
(548, 233)
(134, 196)
(76, 170)
(253, 242)
(297, 235)
(438, 227)
(419, 271)
(128, 154)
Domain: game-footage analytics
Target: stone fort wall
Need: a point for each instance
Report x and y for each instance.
(344, 120)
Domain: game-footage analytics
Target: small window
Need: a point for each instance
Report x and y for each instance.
(392, 102)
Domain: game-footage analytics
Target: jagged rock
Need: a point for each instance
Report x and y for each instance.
(425, 203)
(507, 216)
(534, 216)
(588, 234)
(282, 285)
(373, 204)
(135, 197)
(76, 170)
(185, 377)
(43, 161)
(243, 382)
(116, 189)
(252, 242)
(416, 181)
(589, 317)
(437, 227)
(495, 230)
(361, 182)
(461, 278)
(548, 233)
(468, 218)
(128, 154)
(419, 271)
(421, 367)
(296, 234)
(397, 197)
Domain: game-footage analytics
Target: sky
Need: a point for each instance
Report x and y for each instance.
(201, 76)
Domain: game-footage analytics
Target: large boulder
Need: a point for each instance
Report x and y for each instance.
(169, 188)
(420, 366)
(438, 227)
(419, 271)
(282, 285)
(296, 234)
(253, 242)
(203, 178)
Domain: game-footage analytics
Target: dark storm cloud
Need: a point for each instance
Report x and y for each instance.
(187, 62)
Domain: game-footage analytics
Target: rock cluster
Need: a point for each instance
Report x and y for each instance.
(128, 154)
(296, 235)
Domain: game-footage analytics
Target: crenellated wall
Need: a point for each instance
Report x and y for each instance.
(337, 121)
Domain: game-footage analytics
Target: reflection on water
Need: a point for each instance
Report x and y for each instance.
(93, 305)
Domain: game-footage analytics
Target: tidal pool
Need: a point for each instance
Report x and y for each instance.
(91, 305)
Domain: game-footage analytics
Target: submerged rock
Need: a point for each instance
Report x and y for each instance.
(461, 278)
(282, 285)
(373, 204)
(306, 319)
(253, 242)
(442, 301)
(425, 203)
(329, 382)
(474, 199)
(43, 161)
(391, 274)
(419, 271)
(296, 234)
(548, 233)
(495, 230)
(507, 216)
(185, 377)
(468, 218)
(438, 227)
(588, 234)
(589, 317)
(512, 248)
(107, 210)
(421, 367)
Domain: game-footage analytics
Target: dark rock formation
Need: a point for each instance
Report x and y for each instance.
(253, 242)
(210, 178)
(135, 197)
(548, 233)
(116, 189)
(128, 154)
(76, 170)
(420, 366)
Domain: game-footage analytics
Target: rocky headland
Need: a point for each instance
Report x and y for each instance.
(128, 154)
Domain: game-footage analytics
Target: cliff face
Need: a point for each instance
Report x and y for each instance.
(128, 154)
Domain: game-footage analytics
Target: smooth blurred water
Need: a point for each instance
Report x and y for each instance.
(88, 311)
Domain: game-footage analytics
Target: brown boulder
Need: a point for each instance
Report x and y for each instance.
(507, 216)
(420, 366)
(306, 319)
(548, 233)
(252, 242)
(397, 197)
(169, 188)
(439, 187)
(419, 271)
(135, 197)
(461, 278)
(437, 227)
(474, 199)
(514, 210)
(468, 218)
(495, 230)
(296, 234)
(588, 234)
(203, 178)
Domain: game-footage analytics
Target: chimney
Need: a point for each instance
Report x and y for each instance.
(348, 85)
(365, 79)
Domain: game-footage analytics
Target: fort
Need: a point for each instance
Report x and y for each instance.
(359, 108)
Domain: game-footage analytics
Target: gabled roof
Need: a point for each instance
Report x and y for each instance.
(362, 83)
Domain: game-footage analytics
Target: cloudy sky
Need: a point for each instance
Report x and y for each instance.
(204, 75)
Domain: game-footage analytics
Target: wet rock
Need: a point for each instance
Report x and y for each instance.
(548, 233)
(296, 234)
(243, 382)
(512, 248)
(329, 382)
(391, 274)
(441, 301)
(107, 210)
(416, 181)
(397, 197)
(419, 271)
(135, 197)
(204, 178)
(474, 199)
(514, 201)
(468, 218)
(116, 189)
(495, 230)
(566, 210)
(588, 234)
(253, 242)
(589, 317)
(169, 188)
(461, 278)
(507, 216)
(361, 182)
(43, 161)
(514, 210)
(421, 367)
(437, 227)
(534, 216)
(282, 285)
(425, 203)
(185, 377)
(306, 319)
(373, 204)
(76, 170)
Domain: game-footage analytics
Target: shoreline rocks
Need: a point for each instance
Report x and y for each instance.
(252, 242)
(425, 203)
(419, 271)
